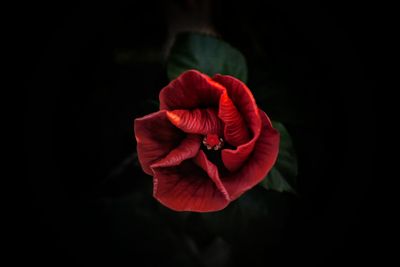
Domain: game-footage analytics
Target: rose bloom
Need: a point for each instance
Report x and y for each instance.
(208, 144)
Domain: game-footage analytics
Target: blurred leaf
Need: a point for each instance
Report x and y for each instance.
(207, 54)
(276, 181)
(282, 177)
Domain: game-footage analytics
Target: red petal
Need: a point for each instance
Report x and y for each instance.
(244, 101)
(259, 163)
(188, 148)
(211, 170)
(187, 188)
(233, 159)
(235, 131)
(197, 121)
(190, 90)
(154, 145)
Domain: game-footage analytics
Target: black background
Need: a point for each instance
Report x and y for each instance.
(92, 69)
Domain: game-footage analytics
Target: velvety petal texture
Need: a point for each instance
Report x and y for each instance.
(236, 131)
(191, 90)
(197, 121)
(259, 163)
(243, 99)
(195, 111)
(188, 148)
(187, 188)
(153, 145)
(212, 172)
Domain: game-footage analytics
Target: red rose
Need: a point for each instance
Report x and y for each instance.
(208, 144)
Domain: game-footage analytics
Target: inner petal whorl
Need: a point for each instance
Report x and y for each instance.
(213, 141)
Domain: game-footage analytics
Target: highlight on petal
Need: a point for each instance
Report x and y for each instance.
(188, 148)
(197, 121)
(258, 164)
(153, 145)
(235, 132)
(242, 99)
(190, 90)
(187, 188)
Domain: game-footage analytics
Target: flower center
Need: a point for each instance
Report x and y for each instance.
(213, 141)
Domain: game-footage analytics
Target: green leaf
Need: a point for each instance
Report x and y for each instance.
(206, 54)
(282, 177)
